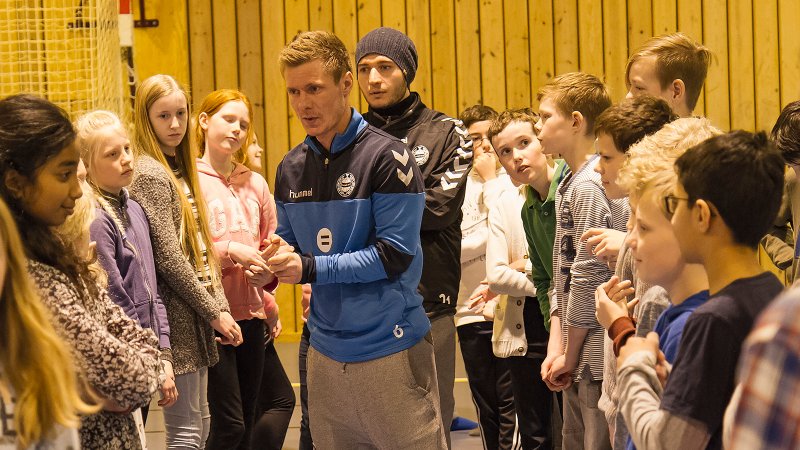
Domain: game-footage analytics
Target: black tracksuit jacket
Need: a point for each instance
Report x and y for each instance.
(443, 152)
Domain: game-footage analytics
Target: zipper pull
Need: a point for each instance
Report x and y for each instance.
(326, 161)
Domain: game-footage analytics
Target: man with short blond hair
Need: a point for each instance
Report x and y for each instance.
(349, 200)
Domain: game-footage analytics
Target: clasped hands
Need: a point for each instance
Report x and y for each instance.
(276, 259)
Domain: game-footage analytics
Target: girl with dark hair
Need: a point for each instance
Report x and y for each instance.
(117, 359)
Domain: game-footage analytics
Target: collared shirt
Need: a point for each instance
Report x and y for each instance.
(539, 221)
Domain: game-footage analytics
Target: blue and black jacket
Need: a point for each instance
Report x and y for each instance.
(354, 214)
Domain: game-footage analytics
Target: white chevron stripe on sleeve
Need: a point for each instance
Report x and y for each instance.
(446, 186)
(458, 167)
(401, 158)
(406, 177)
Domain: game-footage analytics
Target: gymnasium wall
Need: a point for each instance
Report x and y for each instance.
(498, 52)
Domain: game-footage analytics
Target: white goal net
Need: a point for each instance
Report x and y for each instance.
(67, 51)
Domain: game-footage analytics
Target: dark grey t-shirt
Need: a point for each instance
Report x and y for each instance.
(703, 376)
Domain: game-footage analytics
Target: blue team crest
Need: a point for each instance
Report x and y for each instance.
(346, 184)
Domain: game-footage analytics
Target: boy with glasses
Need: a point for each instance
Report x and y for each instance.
(657, 260)
(728, 192)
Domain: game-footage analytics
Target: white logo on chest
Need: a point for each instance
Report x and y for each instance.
(421, 154)
(346, 184)
(325, 240)
(301, 194)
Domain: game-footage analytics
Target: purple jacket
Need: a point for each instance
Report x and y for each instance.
(127, 257)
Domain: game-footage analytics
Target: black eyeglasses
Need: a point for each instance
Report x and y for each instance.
(671, 203)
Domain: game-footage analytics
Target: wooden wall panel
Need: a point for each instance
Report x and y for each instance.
(640, 23)
(767, 66)
(345, 25)
(369, 18)
(690, 22)
(201, 50)
(320, 15)
(495, 51)
(276, 143)
(251, 60)
(567, 51)
(715, 37)
(443, 58)
(615, 46)
(788, 18)
(418, 28)
(665, 16)
(517, 54)
(170, 42)
(493, 62)
(296, 20)
(542, 51)
(742, 82)
(393, 14)
(226, 64)
(590, 36)
(468, 53)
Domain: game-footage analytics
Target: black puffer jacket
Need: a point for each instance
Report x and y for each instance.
(443, 152)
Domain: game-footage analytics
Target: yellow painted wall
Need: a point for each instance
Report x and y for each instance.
(498, 52)
(163, 49)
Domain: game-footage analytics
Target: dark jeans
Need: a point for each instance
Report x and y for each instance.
(533, 401)
(233, 385)
(306, 443)
(275, 403)
(490, 384)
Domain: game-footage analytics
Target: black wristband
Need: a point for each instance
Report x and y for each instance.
(309, 273)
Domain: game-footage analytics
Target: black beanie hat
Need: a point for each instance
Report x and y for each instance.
(392, 44)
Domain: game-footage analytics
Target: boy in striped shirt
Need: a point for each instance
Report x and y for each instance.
(569, 105)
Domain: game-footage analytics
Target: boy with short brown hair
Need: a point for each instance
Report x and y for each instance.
(525, 347)
(569, 106)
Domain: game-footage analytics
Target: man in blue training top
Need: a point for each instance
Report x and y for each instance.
(350, 201)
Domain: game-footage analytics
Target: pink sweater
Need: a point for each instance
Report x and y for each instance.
(241, 209)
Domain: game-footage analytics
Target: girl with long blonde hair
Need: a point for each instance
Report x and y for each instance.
(121, 234)
(165, 185)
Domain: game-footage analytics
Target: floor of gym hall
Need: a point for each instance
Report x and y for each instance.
(461, 440)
